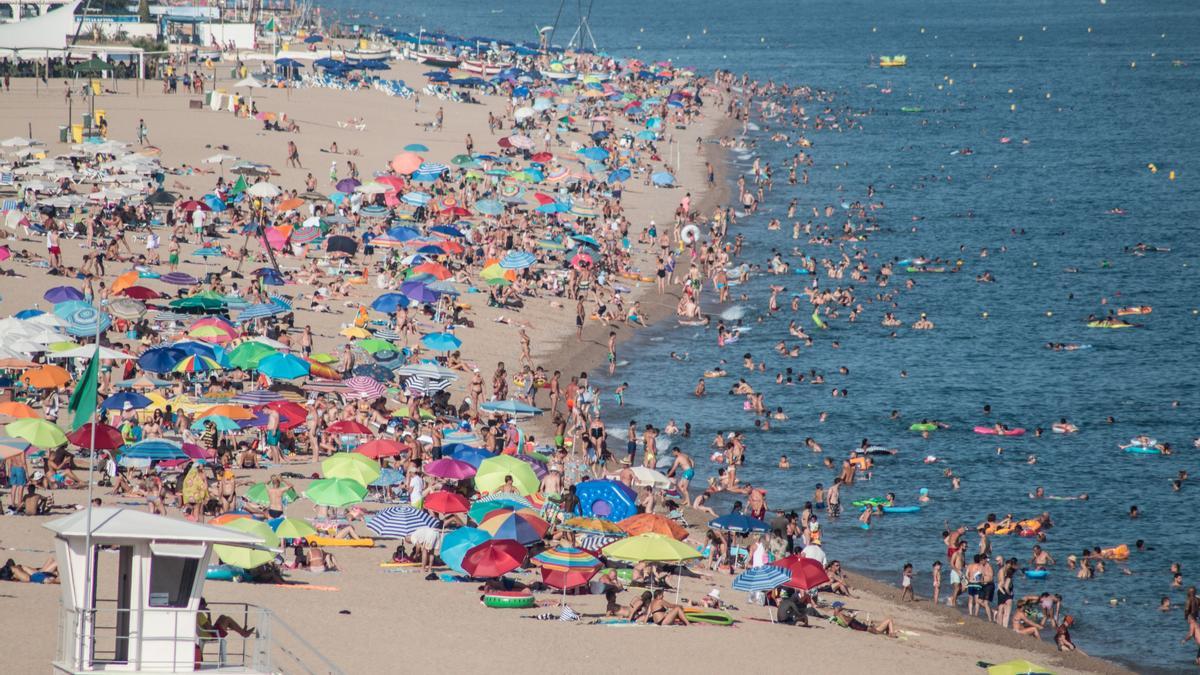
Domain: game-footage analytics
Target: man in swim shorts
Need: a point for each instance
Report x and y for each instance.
(686, 469)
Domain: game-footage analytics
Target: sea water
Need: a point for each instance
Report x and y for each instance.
(1100, 90)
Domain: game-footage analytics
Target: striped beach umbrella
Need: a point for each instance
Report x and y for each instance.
(523, 526)
(258, 397)
(517, 260)
(565, 558)
(363, 387)
(127, 308)
(86, 320)
(155, 449)
(260, 311)
(398, 522)
(196, 364)
(764, 578)
(179, 279)
(388, 334)
(424, 386)
(305, 235)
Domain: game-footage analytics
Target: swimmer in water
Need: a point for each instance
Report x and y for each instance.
(784, 463)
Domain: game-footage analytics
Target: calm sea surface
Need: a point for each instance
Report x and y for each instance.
(1100, 91)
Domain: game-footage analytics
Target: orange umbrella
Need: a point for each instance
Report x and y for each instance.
(434, 269)
(14, 409)
(406, 162)
(227, 518)
(652, 522)
(321, 370)
(46, 377)
(233, 412)
(289, 204)
(16, 364)
(125, 281)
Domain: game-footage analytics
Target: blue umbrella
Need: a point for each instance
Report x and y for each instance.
(388, 476)
(283, 366)
(416, 198)
(402, 233)
(448, 230)
(28, 313)
(62, 294)
(208, 252)
(397, 522)
(118, 401)
(764, 578)
(456, 544)
(597, 153)
(489, 207)
(510, 407)
(646, 135)
(388, 303)
(260, 311)
(738, 522)
(472, 456)
(161, 360)
(441, 342)
(417, 147)
(155, 448)
(418, 292)
(87, 321)
(618, 175)
(517, 260)
(662, 178)
(288, 63)
(374, 371)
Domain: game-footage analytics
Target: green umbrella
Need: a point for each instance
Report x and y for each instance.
(322, 357)
(499, 281)
(38, 432)
(351, 465)
(493, 470)
(294, 528)
(463, 160)
(336, 492)
(248, 558)
(258, 494)
(197, 302)
(373, 345)
(247, 355)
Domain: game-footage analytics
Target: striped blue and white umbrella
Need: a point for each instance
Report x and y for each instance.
(258, 397)
(506, 497)
(763, 578)
(595, 542)
(283, 302)
(517, 260)
(387, 334)
(168, 317)
(260, 311)
(388, 476)
(416, 198)
(397, 522)
(424, 386)
(155, 448)
(86, 320)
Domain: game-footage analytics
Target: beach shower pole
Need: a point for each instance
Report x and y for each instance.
(88, 594)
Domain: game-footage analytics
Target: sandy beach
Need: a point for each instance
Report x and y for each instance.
(366, 618)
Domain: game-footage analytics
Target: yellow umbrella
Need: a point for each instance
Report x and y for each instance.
(352, 465)
(652, 547)
(248, 558)
(355, 332)
(41, 433)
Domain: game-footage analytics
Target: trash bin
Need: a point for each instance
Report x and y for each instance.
(208, 98)
(87, 120)
(64, 134)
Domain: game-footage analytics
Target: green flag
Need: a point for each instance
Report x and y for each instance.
(83, 399)
(270, 27)
(239, 187)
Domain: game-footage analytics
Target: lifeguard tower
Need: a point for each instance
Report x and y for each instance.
(140, 613)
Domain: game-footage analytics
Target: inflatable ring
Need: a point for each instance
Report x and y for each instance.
(226, 573)
(689, 234)
(508, 599)
(922, 426)
(1036, 574)
(714, 618)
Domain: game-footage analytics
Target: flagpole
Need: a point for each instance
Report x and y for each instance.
(87, 541)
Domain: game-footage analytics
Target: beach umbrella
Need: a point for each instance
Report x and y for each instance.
(653, 523)
(425, 386)
(806, 573)
(360, 387)
(293, 528)
(481, 509)
(662, 179)
(38, 432)
(107, 437)
(444, 501)
(119, 400)
(764, 578)
(516, 260)
(739, 523)
(351, 465)
(597, 526)
(491, 473)
(141, 293)
(62, 294)
(432, 370)
(373, 370)
(248, 355)
(349, 427)
(341, 244)
(336, 492)
(222, 423)
(284, 366)
(46, 377)
(373, 345)
(523, 526)
(456, 544)
(126, 308)
(86, 321)
(419, 292)
(196, 364)
(258, 493)
(469, 455)
(1017, 667)
(161, 359)
(347, 185)
(381, 447)
(155, 449)
(241, 556)
(449, 468)
(651, 547)
(565, 558)
(18, 410)
(261, 311)
(397, 522)
(493, 558)
(406, 162)
(416, 147)
(12, 447)
(647, 477)
(510, 407)
(178, 279)
(441, 342)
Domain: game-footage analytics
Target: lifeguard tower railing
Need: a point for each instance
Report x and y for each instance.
(274, 646)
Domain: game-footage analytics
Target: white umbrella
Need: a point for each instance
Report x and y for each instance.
(19, 142)
(249, 82)
(265, 190)
(219, 158)
(87, 351)
(372, 188)
(644, 477)
(48, 320)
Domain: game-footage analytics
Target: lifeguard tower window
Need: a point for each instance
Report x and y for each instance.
(171, 581)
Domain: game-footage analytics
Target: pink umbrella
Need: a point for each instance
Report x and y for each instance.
(406, 162)
(581, 260)
(450, 468)
(5, 254)
(363, 387)
(194, 451)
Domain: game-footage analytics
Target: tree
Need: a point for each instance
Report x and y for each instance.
(144, 11)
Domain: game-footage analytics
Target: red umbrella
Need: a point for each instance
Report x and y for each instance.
(107, 438)
(348, 427)
(493, 558)
(291, 415)
(565, 579)
(807, 573)
(451, 247)
(444, 501)
(193, 205)
(382, 447)
(543, 198)
(141, 293)
(542, 157)
(457, 211)
(504, 142)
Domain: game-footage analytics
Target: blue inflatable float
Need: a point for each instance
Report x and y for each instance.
(226, 573)
(607, 499)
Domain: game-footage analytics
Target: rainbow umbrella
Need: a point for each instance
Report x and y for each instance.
(196, 364)
(523, 526)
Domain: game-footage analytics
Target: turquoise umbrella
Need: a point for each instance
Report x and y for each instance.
(223, 423)
(456, 544)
